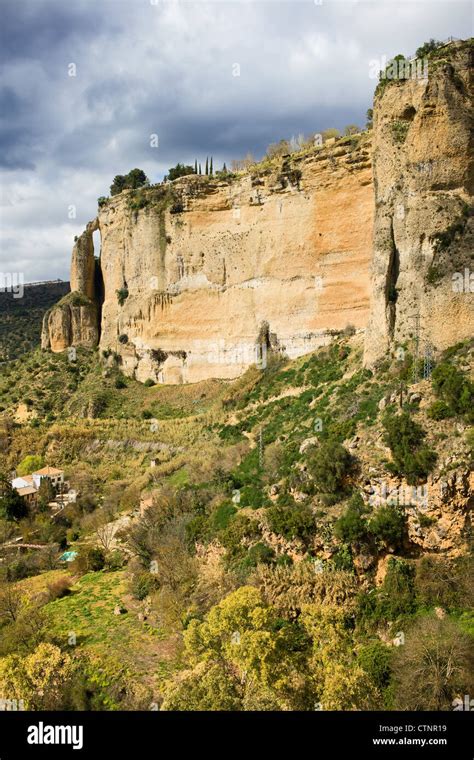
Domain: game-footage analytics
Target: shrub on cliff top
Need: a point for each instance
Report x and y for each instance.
(180, 170)
(134, 179)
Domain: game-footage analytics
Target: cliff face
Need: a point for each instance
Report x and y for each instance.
(74, 321)
(200, 278)
(274, 259)
(71, 322)
(423, 232)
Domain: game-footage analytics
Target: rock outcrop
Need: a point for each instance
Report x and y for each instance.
(83, 264)
(202, 277)
(73, 321)
(423, 229)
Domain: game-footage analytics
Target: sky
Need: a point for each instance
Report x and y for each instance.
(93, 88)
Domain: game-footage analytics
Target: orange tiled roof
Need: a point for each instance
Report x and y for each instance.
(27, 490)
(49, 471)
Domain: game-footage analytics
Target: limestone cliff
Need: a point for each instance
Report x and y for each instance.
(201, 277)
(197, 272)
(71, 322)
(74, 321)
(423, 183)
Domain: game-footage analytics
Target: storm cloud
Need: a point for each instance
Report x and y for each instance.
(83, 86)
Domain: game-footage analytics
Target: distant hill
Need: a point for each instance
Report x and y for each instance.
(21, 318)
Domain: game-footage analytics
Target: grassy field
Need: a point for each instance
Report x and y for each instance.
(118, 645)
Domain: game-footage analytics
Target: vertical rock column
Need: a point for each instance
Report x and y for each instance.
(74, 321)
(423, 181)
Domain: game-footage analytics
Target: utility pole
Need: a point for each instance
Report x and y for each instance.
(428, 361)
(416, 355)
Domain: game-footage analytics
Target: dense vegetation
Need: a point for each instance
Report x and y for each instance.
(259, 573)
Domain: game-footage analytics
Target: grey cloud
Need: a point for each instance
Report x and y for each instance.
(167, 69)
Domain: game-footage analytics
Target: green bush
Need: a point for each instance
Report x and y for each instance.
(295, 521)
(89, 558)
(329, 465)
(375, 659)
(352, 527)
(134, 179)
(400, 130)
(122, 295)
(180, 170)
(454, 389)
(394, 599)
(388, 524)
(439, 410)
(143, 584)
(427, 48)
(411, 459)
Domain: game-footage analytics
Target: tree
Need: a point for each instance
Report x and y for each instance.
(40, 679)
(11, 603)
(276, 150)
(224, 169)
(389, 525)
(106, 535)
(242, 635)
(369, 118)
(118, 184)
(12, 505)
(328, 134)
(200, 171)
(341, 682)
(30, 464)
(46, 493)
(195, 166)
(207, 166)
(330, 465)
(243, 163)
(434, 667)
(351, 129)
(134, 179)
(180, 170)
(210, 168)
(410, 457)
(452, 387)
(351, 526)
(445, 583)
(427, 48)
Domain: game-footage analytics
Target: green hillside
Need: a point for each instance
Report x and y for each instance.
(21, 318)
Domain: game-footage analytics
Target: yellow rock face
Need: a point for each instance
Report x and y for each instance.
(242, 262)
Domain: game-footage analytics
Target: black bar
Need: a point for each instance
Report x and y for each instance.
(315, 734)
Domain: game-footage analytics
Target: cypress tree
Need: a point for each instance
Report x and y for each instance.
(210, 168)
(207, 166)
(195, 166)
(200, 169)
(224, 169)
